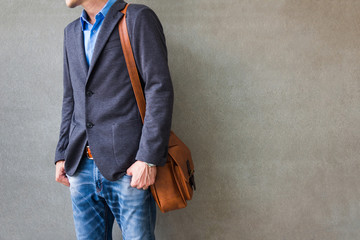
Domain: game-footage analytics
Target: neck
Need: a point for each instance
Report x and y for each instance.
(93, 7)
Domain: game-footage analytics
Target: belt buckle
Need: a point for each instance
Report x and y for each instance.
(88, 153)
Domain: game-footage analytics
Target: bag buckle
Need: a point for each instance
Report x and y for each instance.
(191, 175)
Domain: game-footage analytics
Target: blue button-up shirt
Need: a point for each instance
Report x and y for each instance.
(91, 31)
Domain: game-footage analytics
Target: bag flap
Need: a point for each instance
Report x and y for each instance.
(181, 155)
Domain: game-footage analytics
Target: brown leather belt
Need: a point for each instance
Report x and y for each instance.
(88, 152)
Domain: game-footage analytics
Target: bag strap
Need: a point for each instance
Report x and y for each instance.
(131, 65)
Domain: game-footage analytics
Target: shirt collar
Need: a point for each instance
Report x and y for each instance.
(84, 17)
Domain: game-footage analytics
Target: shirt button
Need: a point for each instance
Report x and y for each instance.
(89, 93)
(89, 124)
(94, 31)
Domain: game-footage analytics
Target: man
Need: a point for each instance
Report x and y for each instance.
(105, 154)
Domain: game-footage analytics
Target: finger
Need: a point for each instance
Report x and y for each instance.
(149, 180)
(152, 180)
(144, 183)
(133, 183)
(58, 177)
(145, 186)
(64, 180)
(140, 185)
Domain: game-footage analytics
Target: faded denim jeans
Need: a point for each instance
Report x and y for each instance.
(97, 201)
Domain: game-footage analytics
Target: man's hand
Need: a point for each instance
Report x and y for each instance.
(142, 175)
(60, 175)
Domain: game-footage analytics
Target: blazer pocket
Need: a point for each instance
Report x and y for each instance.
(72, 128)
(126, 138)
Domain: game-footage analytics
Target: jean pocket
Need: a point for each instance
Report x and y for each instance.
(68, 176)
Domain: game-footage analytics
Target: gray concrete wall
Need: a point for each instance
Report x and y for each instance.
(266, 96)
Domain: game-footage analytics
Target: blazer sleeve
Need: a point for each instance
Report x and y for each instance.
(150, 53)
(67, 109)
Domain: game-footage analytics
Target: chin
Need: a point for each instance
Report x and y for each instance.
(72, 3)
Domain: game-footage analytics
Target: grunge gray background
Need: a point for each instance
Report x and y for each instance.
(266, 97)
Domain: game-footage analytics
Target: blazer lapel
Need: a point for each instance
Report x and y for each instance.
(79, 43)
(111, 20)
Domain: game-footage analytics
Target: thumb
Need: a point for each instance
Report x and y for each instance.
(129, 171)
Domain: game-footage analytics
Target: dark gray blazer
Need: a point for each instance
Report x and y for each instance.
(99, 105)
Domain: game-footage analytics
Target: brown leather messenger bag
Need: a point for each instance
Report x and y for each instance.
(174, 182)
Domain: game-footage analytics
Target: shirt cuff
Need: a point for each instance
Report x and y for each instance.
(150, 164)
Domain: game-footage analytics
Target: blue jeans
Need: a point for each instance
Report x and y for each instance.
(97, 201)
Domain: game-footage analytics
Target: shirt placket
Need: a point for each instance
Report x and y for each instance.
(94, 29)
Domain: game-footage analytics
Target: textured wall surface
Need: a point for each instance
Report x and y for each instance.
(266, 96)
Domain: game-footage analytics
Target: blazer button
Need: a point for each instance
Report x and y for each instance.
(89, 93)
(89, 124)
